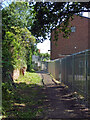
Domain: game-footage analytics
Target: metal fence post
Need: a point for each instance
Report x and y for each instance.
(65, 71)
(86, 74)
(73, 72)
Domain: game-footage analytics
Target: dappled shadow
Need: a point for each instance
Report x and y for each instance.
(26, 102)
(60, 104)
(50, 101)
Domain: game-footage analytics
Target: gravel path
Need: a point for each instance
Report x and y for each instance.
(59, 102)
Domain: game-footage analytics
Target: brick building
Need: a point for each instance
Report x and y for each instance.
(78, 39)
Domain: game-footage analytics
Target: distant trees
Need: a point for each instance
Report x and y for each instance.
(44, 56)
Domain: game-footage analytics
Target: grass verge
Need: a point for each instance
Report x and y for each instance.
(24, 101)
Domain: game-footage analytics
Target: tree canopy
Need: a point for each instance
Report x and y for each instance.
(16, 14)
(41, 17)
(50, 14)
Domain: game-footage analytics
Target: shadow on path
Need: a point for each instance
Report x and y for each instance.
(50, 101)
(59, 103)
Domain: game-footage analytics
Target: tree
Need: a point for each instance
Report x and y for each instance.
(17, 39)
(40, 18)
(48, 15)
(16, 14)
(15, 47)
(44, 56)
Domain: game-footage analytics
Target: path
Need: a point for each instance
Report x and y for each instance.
(59, 102)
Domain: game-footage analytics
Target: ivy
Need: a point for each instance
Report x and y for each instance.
(17, 39)
(15, 47)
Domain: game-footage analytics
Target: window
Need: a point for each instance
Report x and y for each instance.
(73, 29)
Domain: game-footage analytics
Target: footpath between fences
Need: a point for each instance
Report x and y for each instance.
(60, 102)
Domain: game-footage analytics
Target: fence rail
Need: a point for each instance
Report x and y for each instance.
(74, 71)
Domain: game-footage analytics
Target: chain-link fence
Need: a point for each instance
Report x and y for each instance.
(76, 74)
(74, 71)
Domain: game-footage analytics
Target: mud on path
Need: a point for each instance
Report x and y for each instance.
(59, 102)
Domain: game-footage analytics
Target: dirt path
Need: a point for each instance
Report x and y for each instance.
(59, 103)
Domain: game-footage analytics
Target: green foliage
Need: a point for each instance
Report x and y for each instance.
(7, 96)
(40, 18)
(29, 59)
(36, 51)
(49, 15)
(17, 14)
(17, 39)
(30, 78)
(44, 56)
(15, 47)
(20, 102)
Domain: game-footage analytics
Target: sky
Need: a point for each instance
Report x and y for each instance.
(45, 46)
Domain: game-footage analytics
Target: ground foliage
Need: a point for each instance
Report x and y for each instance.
(48, 15)
(22, 102)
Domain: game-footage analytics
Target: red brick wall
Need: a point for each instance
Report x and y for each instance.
(78, 39)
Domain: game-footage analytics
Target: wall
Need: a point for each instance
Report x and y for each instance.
(78, 39)
(54, 67)
(44, 65)
(51, 68)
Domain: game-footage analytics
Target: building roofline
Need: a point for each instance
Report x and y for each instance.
(84, 17)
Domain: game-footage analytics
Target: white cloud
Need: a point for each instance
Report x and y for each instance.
(44, 47)
(86, 14)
